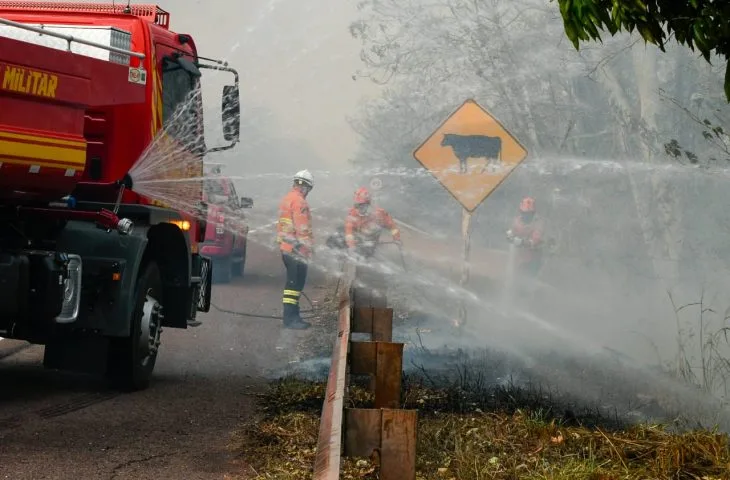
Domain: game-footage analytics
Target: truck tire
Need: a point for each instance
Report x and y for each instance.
(222, 270)
(132, 359)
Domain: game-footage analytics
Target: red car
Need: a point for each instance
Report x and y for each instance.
(226, 231)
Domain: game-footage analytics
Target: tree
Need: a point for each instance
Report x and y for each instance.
(718, 141)
(512, 57)
(697, 24)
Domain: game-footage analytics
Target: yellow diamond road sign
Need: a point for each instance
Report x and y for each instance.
(471, 153)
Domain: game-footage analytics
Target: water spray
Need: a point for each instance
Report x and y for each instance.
(400, 252)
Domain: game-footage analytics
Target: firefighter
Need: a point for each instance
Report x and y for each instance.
(363, 227)
(526, 233)
(295, 240)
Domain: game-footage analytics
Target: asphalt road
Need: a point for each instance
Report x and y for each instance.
(62, 426)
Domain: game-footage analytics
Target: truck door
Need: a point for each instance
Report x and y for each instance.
(236, 217)
(182, 117)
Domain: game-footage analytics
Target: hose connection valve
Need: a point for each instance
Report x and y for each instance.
(125, 226)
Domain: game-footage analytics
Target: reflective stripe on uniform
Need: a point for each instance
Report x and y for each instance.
(291, 297)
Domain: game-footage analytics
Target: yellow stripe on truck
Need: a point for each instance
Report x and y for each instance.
(63, 166)
(32, 151)
(38, 138)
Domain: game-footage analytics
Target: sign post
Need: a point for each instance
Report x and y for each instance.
(470, 154)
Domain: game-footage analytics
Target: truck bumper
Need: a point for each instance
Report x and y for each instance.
(215, 250)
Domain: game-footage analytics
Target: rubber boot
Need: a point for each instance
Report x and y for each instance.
(292, 319)
(299, 323)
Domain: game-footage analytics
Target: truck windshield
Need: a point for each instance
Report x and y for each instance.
(214, 187)
(181, 104)
(215, 193)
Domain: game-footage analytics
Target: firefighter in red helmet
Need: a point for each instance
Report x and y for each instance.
(363, 226)
(527, 234)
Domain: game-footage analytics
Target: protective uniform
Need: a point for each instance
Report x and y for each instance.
(362, 228)
(526, 233)
(294, 235)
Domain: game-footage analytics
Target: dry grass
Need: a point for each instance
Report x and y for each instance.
(519, 444)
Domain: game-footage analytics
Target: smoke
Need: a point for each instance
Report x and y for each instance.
(633, 236)
(622, 239)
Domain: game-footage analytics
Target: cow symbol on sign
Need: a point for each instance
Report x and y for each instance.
(474, 146)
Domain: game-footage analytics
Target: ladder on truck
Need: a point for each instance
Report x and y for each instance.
(71, 39)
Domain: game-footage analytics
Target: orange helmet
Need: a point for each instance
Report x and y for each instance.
(527, 205)
(362, 195)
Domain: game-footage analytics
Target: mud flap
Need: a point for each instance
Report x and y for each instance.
(202, 290)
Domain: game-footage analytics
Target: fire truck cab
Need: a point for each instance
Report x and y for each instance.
(89, 267)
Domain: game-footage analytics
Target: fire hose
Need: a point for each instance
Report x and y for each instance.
(311, 309)
(400, 252)
(274, 317)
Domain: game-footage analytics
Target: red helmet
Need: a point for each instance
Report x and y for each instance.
(362, 195)
(527, 205)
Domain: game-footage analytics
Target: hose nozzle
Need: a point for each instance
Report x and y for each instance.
(126, 182)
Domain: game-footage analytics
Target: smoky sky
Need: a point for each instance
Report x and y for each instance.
(296, 60)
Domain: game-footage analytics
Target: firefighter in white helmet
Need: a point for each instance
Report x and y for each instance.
(294, 235)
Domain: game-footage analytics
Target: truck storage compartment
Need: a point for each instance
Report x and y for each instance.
(45, 95)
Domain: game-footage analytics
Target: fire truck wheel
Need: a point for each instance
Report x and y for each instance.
(132, 359)
(222, 270)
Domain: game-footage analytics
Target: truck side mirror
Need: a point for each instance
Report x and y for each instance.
(246, 202)
(231, 113)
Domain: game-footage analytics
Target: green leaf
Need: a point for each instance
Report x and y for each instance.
(572, 34)
(646, 33)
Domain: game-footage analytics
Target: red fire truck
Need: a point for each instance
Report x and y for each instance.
(88, 267)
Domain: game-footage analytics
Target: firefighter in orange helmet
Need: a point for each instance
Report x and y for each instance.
(294, 235)
(363, 227)
(526, 233)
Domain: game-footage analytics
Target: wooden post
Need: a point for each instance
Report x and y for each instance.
(387, 436)
(384, 361)
(377, 322)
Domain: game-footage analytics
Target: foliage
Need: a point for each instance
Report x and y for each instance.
(711, 371)
(524, 443)
(712, 132)
(572, 111)
(512, 58)
(697, 24)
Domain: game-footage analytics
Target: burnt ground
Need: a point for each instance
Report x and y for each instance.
(207, 380)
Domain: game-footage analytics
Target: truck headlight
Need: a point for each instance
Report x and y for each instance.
(71, 291)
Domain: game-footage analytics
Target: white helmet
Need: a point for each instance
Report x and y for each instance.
(303, 176)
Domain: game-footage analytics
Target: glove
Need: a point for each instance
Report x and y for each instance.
(304, 251)
(510, 235)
